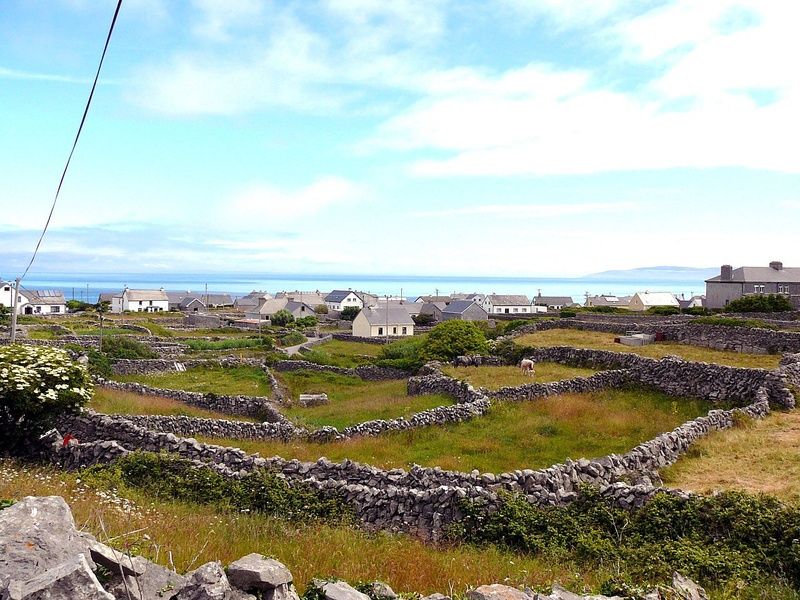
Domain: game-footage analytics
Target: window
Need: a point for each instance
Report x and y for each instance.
(405, 330)
(506, 311)
(394, 330)
(56, 309)
(524, 310)
(783, 289)
(380, 330)
(758, 289)
(515, 310)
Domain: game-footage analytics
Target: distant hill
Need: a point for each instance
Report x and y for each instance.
(660, 273)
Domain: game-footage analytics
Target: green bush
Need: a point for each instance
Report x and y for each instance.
(172, 478)
(263, 341)
(37, 385)
(663, 310)
(606, 310)
(349, 313)
(453, 338)
(760, 303)
(510, 352)
(404, 353)
(514, 325)
(309, 321)
(292, 338)
(695, 310)
(4, 503)
(713, 539)
(567, 314)
(281, 318)
(99, 365)
(118, 346)
(321, 309)
(733, 322)
(76, 305)
(423, 319)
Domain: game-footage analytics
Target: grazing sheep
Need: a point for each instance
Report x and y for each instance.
(528, 366)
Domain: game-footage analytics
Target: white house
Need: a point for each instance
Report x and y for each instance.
(641, 301)
(393, 321)
(267, 308)
(7, 296)
(496, 304)
(43, 302)
(140, 301)
(341, 299)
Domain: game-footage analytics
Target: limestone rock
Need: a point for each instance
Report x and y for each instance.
(71, 580)
(255, 572)
(36, 534)
(686, 589)
(435, 596)
(153, 583)
(559, 593)
(339, 590)
(114, 560)
(497, 591)
(207, 582)
(382, 590)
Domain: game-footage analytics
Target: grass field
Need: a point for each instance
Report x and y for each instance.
(244, 380)
(605, 341)
(193, 535)
(346, 354)
(512, 436)
(758, 456)
(353, 400)
(118, 402)
(106, 331)
(493, 378)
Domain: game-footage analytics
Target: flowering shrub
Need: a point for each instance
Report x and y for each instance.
(37, 384)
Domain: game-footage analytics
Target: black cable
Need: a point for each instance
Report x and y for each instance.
(75, 143)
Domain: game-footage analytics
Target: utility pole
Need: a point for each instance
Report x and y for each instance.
(206, 297)
(14, 305)
(387, 318)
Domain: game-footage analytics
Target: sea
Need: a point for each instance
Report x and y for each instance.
(87, 286)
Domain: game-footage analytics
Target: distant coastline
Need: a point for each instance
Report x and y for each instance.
(86, 286)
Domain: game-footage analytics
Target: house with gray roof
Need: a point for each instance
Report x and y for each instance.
(732, 284)
(383, 321)
(251, 300)
(497, 304)
(464, 310)
(553, 302)
(434, 309)
(43, 302)
(341, 299)
(609, 300)
(139, 301)
(424, 299)
(267, 308)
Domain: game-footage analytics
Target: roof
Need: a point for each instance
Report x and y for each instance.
(657, 299)
(459, 307)
(217, 299)
(189, 300)
(142, 295)
(377, 316)
(108, 296)
(429, 307)
(433, 299)
(339, 295)
(761, 275)
(271, 306)
(552, 300)
(310, 298)
(508, 300)
(44, 296)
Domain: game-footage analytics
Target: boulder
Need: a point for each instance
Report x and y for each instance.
(114, 560)
(338, 590)
(256, 572)
(559, 593)
(207, 582)
(71, 580)
(497, 591)
(686, 589)
(435, 596)
(378, 589)
(153, 582)
(37, 534)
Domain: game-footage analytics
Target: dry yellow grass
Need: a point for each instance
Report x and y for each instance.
(117, 402)
(192, 535)
(759, 456)
(605, 341)
(493, 378)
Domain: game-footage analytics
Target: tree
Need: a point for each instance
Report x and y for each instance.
(349, 313)
(321, 309)
(760, 303)
(423, 319)
(454, 338)
(281, 318)
(309, 321)
(37, 385)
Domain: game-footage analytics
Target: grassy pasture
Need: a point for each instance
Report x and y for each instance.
(605, 341)
(244, 380)
(353, 400)
(512, 436)
(758, 456)
(191, 535)
(493, 378)
(118, 402)
(346, 354)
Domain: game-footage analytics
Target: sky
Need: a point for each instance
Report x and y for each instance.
(431, 137)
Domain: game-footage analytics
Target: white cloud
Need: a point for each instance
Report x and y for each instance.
(17, 74)
(532, 210)
(568, 13)
(263, 204)
(218, 17)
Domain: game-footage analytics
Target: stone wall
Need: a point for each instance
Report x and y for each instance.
(219, 428)
(365, 372)
(347, 337)
(248, 406)
(149, 366)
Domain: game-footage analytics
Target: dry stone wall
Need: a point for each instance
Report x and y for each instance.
(365, 372)
(219, 428)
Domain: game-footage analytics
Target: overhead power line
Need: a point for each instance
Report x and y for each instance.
(75, 143)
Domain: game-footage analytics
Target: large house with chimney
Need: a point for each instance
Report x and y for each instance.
(731, 284)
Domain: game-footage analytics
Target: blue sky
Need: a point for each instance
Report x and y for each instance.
(440, 137)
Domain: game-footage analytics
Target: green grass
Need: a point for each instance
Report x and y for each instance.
(106, 331)
(229, 344)
(43, 334)
(346, 354)
(605, 341)
(244, 380)
(118, 402)
(532, 434)
(493, 378)
(224, 332)
(353, 400)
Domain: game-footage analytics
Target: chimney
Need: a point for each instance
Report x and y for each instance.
(776, 264)
(726, 272)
